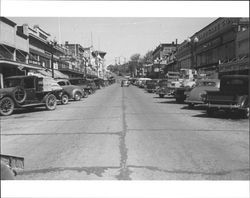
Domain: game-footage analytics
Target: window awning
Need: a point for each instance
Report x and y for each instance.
(17, 64)
(57, 74)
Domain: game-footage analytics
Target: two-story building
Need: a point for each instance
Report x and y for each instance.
(14, 50)
(240, 64)
(164, 59)
(99, 62)
(44, 52)
(211, 46)
(76, 61)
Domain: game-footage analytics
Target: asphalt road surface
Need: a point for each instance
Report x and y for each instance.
(127, 134)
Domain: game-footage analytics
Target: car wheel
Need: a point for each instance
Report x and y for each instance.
(77, 96)
(245, 113)
(50, 102)
(86, 94)
(65, 99)
(6, 106)
(161, 95)
(19, 95)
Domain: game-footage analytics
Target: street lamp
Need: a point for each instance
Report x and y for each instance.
(52, 44)
(158, 62)
(193, 42)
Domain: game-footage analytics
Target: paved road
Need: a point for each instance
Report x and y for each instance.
(125, 133)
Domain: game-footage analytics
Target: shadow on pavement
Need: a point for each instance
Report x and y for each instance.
(29, 110)
(166, 97)
(186, 107)
(221, 115)
(169, 102)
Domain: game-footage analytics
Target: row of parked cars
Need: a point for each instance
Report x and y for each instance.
(37, 90)
(230, 93)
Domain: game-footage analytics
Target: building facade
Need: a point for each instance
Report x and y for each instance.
(211, 46)
(14, 50)
(164, 59)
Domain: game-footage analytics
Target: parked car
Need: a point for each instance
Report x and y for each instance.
(233, 95)
(162, 86)
(72, 91)
(195, 96)
(93, 85)
(180, 93)
(83, 83)
(151, 85)
(27, 92)
(124, 83)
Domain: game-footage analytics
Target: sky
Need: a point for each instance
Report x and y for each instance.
(119, 37)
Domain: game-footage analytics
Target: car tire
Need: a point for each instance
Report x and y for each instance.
(77, 96)
(161, 95)
(65, 99)
(86, 94)
(50, 102)
(7, 106)
(245, 113)
(19, 95)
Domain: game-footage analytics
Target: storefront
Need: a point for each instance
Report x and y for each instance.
(13, 68)
(238, 66)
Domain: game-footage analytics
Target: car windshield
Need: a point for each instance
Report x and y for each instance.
(12, 82)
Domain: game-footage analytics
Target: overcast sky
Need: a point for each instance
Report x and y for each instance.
(118, 36)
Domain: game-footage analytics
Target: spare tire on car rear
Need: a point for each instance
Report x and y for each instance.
(19, 95)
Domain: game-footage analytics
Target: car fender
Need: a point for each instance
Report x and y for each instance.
(243, 101)
(77, 90)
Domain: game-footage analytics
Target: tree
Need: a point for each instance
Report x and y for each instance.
(148, 57)
(135, 57)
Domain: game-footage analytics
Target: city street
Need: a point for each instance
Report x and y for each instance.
(124, 133)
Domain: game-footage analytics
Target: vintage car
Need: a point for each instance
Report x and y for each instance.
(125, 83)
(233, 96)
(151, 86)
(142, 81)
(168, 85)
(84, 84)
(27, 92)
(195, 95)
(94, 85)
(162, 85)
(73, 92)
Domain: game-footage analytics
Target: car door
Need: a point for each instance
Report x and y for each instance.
(29, 87)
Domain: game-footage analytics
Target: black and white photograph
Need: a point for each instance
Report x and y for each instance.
(128, 98)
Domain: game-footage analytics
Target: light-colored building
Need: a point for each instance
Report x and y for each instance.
(14, 50)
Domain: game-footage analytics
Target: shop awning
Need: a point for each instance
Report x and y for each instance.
(19, 65)
(57, 74)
